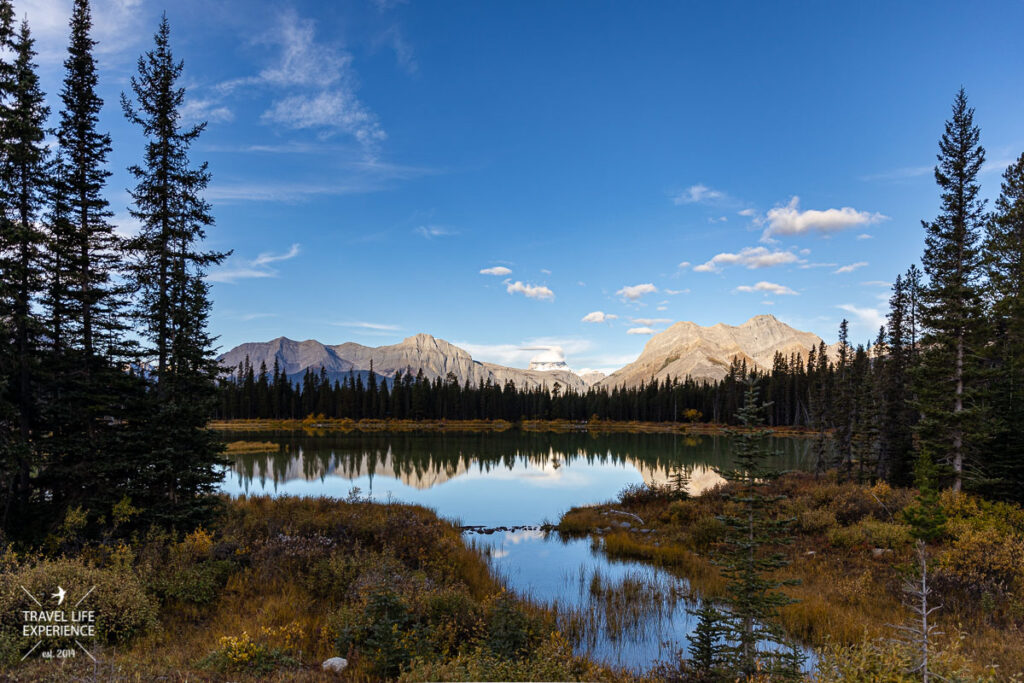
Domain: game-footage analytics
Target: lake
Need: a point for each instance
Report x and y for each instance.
(517, 479)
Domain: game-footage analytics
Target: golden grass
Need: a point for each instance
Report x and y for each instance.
(850, 593)
(325, 425)
(250, 446)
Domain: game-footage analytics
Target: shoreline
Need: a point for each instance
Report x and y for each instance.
(497, 426)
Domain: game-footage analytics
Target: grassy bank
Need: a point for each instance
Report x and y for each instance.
(279, 585)
(557, 426)
(851, 555)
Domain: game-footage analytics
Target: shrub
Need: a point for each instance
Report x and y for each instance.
(244, 654)
(123, 610)
(706, 531)
(635, 495)
(508, 627)
(885, 534)
(982, 560)
(816, 521)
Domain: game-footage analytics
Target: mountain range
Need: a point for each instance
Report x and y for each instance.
(684, 349)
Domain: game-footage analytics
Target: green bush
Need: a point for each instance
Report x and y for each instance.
(509, 629)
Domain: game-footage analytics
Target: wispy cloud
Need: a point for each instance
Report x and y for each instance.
(432, 231)
(865, 236)
(634, 292)
(749, 257)
(496, 270)
(850, 268)
(259, 267)
(641, 330)
(529, 291)
(673, 292)
(698, 193)
(377, 327)
(598, 317)
(769, 287)
(790, 220)
(519, 355)
(903, 173)
(649, 322)
(316, 84)
(877, 283)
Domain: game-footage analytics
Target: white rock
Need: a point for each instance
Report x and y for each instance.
(336, 664)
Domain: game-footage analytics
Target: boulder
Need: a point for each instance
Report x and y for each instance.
(335, 664)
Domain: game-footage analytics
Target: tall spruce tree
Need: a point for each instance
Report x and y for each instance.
(951, 312)
(180, 458)
(24, 178)
(1004, 264)
(96, 304)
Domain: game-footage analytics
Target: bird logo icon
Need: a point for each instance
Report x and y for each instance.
(59, 595)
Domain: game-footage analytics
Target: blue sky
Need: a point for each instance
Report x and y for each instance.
(654, 162)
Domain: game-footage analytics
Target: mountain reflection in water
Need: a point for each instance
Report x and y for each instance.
(508, 478)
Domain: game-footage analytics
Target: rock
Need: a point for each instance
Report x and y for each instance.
(879, 552)
(625, 525)
(810, 553)
(335, 664)
(645, 531)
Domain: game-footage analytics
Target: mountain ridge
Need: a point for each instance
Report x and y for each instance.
(683, 349)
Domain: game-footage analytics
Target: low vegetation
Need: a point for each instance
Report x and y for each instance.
(277, 586)
(852, 549)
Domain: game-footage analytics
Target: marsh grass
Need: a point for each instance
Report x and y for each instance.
(851, 553)
(277, 585)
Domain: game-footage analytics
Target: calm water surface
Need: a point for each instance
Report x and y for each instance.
(513, 479)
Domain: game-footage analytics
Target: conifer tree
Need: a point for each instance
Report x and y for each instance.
(96, 304)
(180, 456)
(752, 597)
(22, 243)
(1004, 265)
(951, 312)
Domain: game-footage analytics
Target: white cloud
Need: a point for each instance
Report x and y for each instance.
(634, 292)
(673, 292)
(209, 110)
(530, 291)
(766, 287)
(850, 268)
(496, 270)
(648, 322)
(697, 193)
(598, 317)
(432, 231)
(118, 26)
(747, 213)
(259, 267)
(865, 236)
(641, 330)
(519, 355)
(379, 327)
(872, 318)
(337, 110)
(790, 220)
(684, 264)
(749, 257)
(322, 81)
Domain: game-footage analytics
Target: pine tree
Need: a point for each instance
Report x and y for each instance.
(752, 597)
(951, 312)
(843, 395)
(96, 303)
(22, 244)
(1004, 265)
(180, 457)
